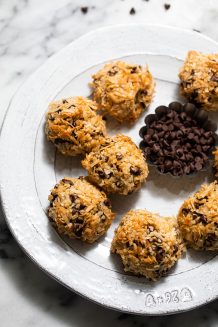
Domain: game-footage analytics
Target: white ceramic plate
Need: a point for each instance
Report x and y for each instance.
(30, 166)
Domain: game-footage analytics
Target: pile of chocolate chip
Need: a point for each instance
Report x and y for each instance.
(178, 139)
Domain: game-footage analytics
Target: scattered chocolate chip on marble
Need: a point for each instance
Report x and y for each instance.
(132, 11)
(167, 6)
(84, 10)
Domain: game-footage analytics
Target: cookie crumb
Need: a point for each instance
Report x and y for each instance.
(84, 10)
(167, 6)
(132, 11)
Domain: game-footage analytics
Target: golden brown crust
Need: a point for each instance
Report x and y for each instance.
(198, 218)
(79, 210)
(73, 125)
(199, 79)
(215, 153)
(148, 244)
(118, 166)
(123, 90)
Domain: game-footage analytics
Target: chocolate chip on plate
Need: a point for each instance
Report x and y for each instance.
(178, 139)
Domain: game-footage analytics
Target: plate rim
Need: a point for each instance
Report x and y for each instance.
(2, 193)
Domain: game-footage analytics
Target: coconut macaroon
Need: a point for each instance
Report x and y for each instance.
(79, 210)
(198, 218)
(215, 164)
(147, 243)
(123, 90)
(118, 166)
(199, 79)
(73, 125)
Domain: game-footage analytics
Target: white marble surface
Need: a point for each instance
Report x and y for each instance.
(30, 32)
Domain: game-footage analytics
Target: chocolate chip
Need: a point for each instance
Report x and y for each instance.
(159, 256)
(156, 147)
(147, 138)
(150, 228)
(210, 140)
(201, 116)
(167, 6)
(135, 171)
(198, 205)
(143, 92)
(203, 141)
(214, 78)
(187, 169)
(155, 137)
(160, 111)
(143, 131)
(133, 70)
(74, 211)
(199, 218)
(198, 165)
(161, 134)
(82, 206)
(67, 181)
(78, 230)
(176, 248)
(64, 101)
(185, 211)
(159, 127)
(73, 198)
(119, 184)
(101, 174)
(168, 164)
(189, 109)
(113, 71)
(211, 238)
(208, 134)
(59, 141)
(210, 126)
(132, 11)
(119, 156)
(107, 203)
(205, 148)
(84, 10)
(199, 148)
(170, 127)
(150, 132)
(191, 136)
(149, 119)
(183, 115)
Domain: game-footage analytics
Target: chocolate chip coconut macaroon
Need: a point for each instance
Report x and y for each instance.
(198, 218)
(149, 245)
(123, 90)
(73, 126)
(118, 166)
(79, 210)
(199, 79)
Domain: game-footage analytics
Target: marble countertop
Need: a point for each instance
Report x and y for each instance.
(30, 32)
